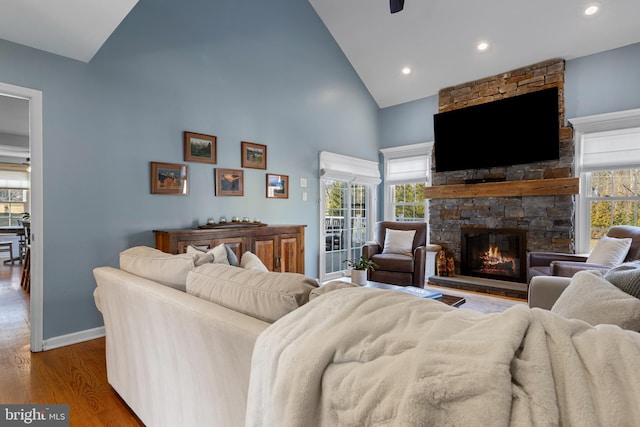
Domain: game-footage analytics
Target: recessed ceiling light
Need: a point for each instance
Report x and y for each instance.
(482, 46)
(591, 9)
(406, 70)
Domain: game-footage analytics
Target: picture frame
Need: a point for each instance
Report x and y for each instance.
(199, 147)
(277, 186)
(229, 182)
(169, 178)
(254, 155)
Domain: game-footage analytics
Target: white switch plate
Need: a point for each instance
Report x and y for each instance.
(303, 183)
(304, 196)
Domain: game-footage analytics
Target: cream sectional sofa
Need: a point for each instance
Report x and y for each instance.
(193, 341)
(178, 359)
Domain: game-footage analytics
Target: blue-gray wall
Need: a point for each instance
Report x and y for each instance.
(595, 84)
(266, 72)
(262, 71)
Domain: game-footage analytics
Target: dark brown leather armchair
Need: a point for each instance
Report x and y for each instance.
(398, 269)
(566, 265)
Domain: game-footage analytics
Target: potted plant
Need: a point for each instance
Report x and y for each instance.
(360, 268)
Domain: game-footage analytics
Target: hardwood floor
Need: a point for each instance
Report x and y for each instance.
(75, 375)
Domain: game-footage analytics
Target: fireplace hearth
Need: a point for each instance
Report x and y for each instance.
(494, 253)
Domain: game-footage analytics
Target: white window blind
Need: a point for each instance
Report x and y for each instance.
(407, 170)
(611, 150)
(14, 179)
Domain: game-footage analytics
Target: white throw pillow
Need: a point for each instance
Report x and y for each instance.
(201, 256)
(398, 241)
(591, 298)
(250, 261)
(609, 251)
(264, 295)
(153, 264)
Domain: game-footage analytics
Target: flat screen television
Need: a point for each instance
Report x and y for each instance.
(511, 131)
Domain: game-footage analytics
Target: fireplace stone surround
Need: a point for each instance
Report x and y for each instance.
(548, 220)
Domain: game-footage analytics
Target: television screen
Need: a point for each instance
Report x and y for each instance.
(511, 131)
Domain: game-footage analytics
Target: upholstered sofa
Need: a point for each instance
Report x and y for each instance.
(194, 341)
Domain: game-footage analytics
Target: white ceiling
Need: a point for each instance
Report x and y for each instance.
(436, 38)
(72, 28)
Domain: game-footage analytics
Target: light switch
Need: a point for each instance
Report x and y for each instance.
(304, 196)
(303, 183)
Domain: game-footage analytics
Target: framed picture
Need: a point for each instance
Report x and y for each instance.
(199, 147)
(277, 186)
(254, 155)
(169, 178)
(229, 182)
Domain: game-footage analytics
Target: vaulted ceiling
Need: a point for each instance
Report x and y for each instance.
(437, 39)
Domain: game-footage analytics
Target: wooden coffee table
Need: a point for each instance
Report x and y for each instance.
(451, 300)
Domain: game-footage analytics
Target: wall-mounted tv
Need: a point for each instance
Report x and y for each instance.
(511, 131)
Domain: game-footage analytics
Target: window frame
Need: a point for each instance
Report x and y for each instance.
(402, 152)
(583, 126)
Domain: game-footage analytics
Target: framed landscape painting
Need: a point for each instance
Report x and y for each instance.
(277, 186)
(169, 178)
(199, 147)
(229, 182)
(254, 155)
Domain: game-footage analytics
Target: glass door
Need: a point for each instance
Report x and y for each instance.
(345, 216)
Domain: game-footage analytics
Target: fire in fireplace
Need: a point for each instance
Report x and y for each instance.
(494, 253)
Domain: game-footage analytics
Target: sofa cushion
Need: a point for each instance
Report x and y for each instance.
(393, 262)
(153, 264)
(250, 261)
(264, 295)
(398, 241)
(593, 299)
(609, 251)
(626, 277)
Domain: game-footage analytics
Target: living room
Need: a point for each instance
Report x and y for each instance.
(270, 73)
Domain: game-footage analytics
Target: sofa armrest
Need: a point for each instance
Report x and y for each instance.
(370, 249)
(545, 290)
(545, 258)
(569, 268)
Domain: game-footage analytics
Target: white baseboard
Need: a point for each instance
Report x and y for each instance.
(73, 338)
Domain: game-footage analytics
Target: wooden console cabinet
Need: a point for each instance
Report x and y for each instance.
(279, 247)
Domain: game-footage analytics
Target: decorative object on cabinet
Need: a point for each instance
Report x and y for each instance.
(254, 155)
(199, 147)
(277, 186)
(279, 247)
(229, 182)
(169, 178)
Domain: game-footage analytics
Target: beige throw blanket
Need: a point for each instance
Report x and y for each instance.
(367, 357)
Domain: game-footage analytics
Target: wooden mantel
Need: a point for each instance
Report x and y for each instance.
(532, 187)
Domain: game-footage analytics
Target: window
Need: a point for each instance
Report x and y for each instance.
(14, 193)
(347, 188)
(612, 199)
(407, 170)
(608, 164)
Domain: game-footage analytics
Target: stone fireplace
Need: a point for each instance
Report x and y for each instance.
(546, 219)
(494, 253)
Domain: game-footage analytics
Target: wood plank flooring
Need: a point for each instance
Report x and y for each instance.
(75, 375)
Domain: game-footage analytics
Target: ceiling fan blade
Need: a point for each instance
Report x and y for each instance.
(396, 5)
